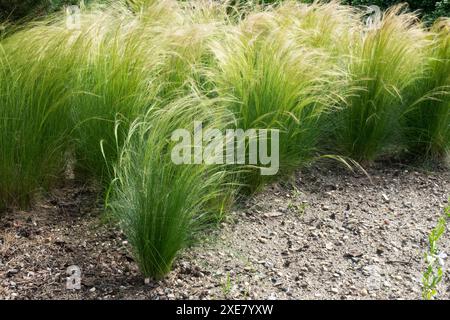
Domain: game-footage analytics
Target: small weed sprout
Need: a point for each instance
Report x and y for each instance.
(434, 259)
(227, 285)
(301, 208)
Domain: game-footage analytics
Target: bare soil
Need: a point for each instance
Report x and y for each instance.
(327, 234)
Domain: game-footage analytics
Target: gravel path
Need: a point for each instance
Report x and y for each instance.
(328, 234)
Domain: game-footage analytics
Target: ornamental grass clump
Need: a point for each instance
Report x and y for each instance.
(160, 205)
(116, 78)
(385, 61)
(426, 120)
(326, 26)
(34, 123)
(273, 83)
(64, 84)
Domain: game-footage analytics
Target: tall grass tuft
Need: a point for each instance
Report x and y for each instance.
(64, 87)
(426, 120)
(321, 25)
(161, 205)
(273, 83)
(114, 79)
(34, 123)
(385, 61)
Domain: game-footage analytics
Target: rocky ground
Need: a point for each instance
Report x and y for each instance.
(327, 234)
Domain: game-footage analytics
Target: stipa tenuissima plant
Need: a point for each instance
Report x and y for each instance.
(328, 26)
(63, 87)
(132, 61)
(426, 120)
(121, 68)
(273, 84)
(116, 76)
(159, 204)
(34, 123)
(385, 61)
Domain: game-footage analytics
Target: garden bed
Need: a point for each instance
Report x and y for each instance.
(330, 234)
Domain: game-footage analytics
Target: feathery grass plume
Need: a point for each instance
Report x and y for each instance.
(205, 11)
(328, 26)
(274, 84)
(59, 79)
(331, 30)
(120, 61)
(117, 77)
(182, 41)
(185, 56)
(384, 63)
(426, 120)
(162, 205)
(156, 12)
(35, 68)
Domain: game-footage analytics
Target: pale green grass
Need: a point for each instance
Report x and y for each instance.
(427, 115)
(161, 205)
(385, 61)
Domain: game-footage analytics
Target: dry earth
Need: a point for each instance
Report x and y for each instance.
(328, 234)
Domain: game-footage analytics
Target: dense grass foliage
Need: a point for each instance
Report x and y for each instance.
(159, 204)
(427, 116)
(107, 94)
(112, 81)
(34, 72)
(274, 83)
(383, 66)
